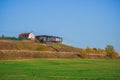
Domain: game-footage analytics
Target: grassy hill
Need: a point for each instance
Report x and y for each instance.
(16, 49)
(13, 49)
(32, 45)
(21, 45)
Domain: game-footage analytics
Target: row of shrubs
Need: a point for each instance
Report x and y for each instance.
(109, 51)
(13, 38)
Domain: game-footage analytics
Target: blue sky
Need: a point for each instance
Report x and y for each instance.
(81, 23)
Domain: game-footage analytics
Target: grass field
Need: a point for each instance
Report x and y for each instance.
(59, 69)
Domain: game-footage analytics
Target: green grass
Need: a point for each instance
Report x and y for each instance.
(59, 69)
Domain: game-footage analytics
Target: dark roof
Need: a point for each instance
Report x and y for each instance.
(48, 36)
(24, 33)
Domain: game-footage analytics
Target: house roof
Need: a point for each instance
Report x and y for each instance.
(25, 33)
(48, 36)
(22, 34)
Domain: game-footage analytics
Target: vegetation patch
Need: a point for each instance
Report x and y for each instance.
(41, 48)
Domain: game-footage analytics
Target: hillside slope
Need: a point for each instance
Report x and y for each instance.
(32, 45)
(14, 49)
(30, 49)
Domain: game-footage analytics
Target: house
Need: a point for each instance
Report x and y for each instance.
(49, 39)
(27, 35)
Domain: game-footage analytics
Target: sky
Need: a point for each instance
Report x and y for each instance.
(81, 23)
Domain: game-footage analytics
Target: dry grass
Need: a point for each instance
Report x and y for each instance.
(28, 55)
(22, 45)
(14, 50)
(32, 45)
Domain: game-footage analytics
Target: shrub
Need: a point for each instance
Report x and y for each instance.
(40, 48)
(111, 52)
(83, 53)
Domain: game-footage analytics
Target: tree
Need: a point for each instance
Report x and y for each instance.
(95, 49)
(88, 49)
(110, 51)
(83, 53)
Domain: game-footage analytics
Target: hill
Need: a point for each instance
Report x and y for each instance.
(17, 49)
(33, 45)
(13, 49)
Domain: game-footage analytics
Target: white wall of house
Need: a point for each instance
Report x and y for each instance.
(57, 39)
(31, 36)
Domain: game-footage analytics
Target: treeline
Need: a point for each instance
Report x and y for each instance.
(109, 51)
(12, 38)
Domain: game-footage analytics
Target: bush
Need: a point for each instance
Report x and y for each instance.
(83, 53)
(111, 52)
(40, 48)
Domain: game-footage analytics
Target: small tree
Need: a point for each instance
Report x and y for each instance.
(111, 51)
(95, 49)
(83, 53)
(88, 49)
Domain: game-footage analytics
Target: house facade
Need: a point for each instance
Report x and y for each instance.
(49, 39)
(27, 35)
